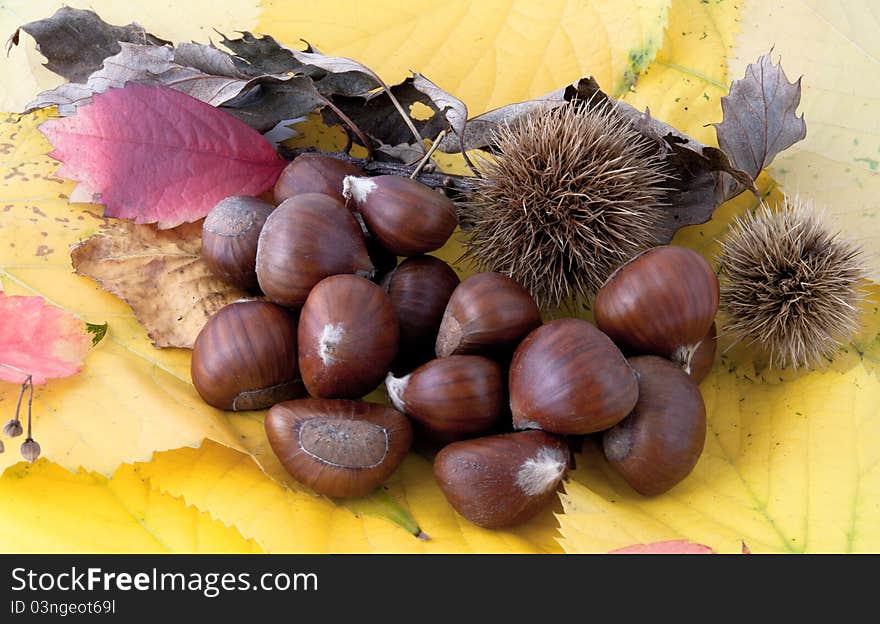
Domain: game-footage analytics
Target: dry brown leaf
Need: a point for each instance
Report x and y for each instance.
(160, 274)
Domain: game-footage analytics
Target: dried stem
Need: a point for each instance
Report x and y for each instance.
(427, 156)
(353, 126)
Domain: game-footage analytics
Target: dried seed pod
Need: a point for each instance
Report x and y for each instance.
(13, 428)
(348, 336)
(487, 313)
(791, 284)
(314, 173)
(419, 290)
(245, 357)
(307, 238)
(662, 302)
(406, 216)
(30, 450)
(568, 377)
(501, 480)
(704, 356)
(451, 398)
(659, 443)
(229, 239)
(338, 448)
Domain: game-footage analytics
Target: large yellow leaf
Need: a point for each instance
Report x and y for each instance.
(230, 486)
(835, 46)
(685, 83)
(487, 53)
(130, 399)
(48, 509)
(788, 467)
(23, 76)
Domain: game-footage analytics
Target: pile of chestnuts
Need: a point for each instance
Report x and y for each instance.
(459, 359)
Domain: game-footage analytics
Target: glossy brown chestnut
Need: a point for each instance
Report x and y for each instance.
(659, 443)
(568, 377)
(487, 313)
(383, 260)
(245, 357)
(419, 290)
(451, 398)
(314, 173)
(704, 356)
(307, 238)
(501, 480)
(229, 239)
(348, 336)
(406, 216)
(338, 448)
(662, 302)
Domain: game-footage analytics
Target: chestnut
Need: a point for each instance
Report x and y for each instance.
(659, 443)
(307, 238)
(229, 239)
(488, 312)
(407, 217)
(451, 398)
(568, 377)
(501, 480)
(338, 448)
(348, 336)
(662, 302)
(419, 289)
(245, 357)
(704, 355)
(314, 173)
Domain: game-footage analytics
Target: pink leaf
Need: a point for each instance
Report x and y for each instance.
(39, 340)
(154, 154)
(673, 547)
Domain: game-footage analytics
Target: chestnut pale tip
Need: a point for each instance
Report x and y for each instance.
(328, 342)
(357, 188)
(542, 472)
(684, 354)
(396, 386)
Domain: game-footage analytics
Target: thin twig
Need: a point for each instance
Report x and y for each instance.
(30, 383)
(354, 127)
(427, 157)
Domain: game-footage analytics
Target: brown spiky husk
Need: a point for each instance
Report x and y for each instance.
(571, 195)
(790, 284)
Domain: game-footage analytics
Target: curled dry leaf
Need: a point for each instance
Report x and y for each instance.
(75, 42)
(160, 274)
(39, 340)
(760, 117)
(156, 155)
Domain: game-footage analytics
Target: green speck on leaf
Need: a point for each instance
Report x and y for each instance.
(98, 332)
(873, 164)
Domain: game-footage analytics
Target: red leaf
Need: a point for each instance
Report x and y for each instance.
(672, 547)
(154, 154)
(39, 340)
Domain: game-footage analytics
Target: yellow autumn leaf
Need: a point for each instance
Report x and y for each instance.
(130, 399)
(789, 467)
(685, 83)
(44, 511)
(489, 53)
(231, 488)
(834, 46)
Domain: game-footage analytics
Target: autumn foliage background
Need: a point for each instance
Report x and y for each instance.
(134, 461)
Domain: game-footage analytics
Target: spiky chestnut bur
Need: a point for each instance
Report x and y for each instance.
(570, 195)
(336, 447)
(661, 440)
(501, 480)
(790, 284)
